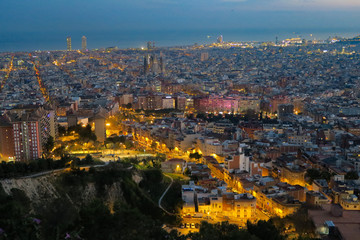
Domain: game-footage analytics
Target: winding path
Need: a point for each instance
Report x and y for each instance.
(162, 196)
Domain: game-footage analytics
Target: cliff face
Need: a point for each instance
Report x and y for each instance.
(36, 189)
(109, 202)
(45, 189)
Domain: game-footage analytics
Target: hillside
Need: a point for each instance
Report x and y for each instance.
(83, 205)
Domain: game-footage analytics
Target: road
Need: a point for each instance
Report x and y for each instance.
(162, 196)
(9, 70)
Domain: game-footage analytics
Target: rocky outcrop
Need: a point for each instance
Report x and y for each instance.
(36, 189)
(44, 189)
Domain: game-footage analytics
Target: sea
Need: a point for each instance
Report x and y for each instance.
(32, 41)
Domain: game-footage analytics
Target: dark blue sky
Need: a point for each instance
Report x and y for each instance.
(44, 24)
(77, 15)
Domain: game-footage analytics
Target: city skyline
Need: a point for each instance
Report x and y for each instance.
(206, 119)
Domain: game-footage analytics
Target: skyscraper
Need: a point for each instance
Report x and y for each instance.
(83, 43)
(220, 39)
(149, 47)
(68, 41)
(146, 63)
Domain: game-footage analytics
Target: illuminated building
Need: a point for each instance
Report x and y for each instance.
(316, 198)
(349, 201)
(149, 102)
(174, 165)
(168, 102)
(83, 43)
(220, 39)
(126, 99)
(204, 56)
(216, 104)
(153, 64)
(170, 88)
(276, 101)
(188, 197)
(146, 63)
(285, 110)
(27, 139)
(247, 102)
(209, 146)
(294, 175)
(180, 103)
(241, 161)
(150, 45)
(6, 139)
(155, 68)
(281, 199)
(238, 207)
(25, 131)
(100, 127)
(68, 42)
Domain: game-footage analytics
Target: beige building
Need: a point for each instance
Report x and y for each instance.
(174, 165)
(219, 204)
(100, 128)
(349, 202)
(168, 102)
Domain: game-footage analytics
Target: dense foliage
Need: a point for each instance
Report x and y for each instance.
(313, 174)
(353, 175)
(19, 169)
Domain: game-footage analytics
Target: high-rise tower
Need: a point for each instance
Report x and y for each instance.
(68, 41)
(83, 43)
(220, 39)
(149, 47)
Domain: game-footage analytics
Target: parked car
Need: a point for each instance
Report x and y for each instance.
(192, 225)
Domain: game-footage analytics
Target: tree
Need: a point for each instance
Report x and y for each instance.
(129, 105)
(48, 146)
(195, 155)
(153, 146)
(352, 175)
(86, 135)
(128, 144)
(222, 230)
(312, 174)
(61, 130)
(264, 230)
(250, 114)
(60, 151)
(88, 159)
